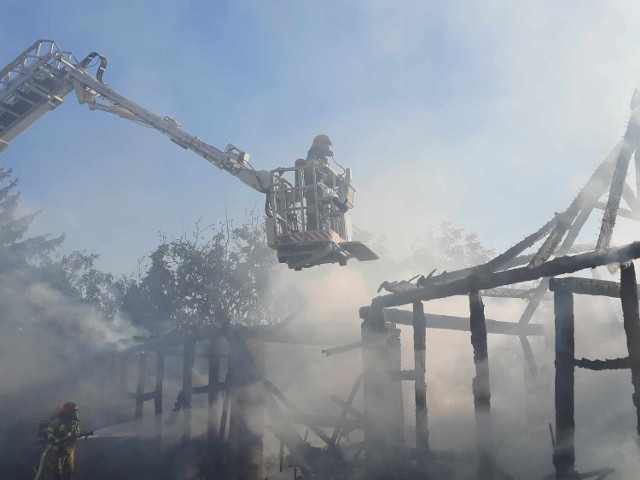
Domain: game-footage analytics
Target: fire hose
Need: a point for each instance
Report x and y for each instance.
(86, 436)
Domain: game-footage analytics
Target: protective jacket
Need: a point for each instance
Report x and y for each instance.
(62, 432)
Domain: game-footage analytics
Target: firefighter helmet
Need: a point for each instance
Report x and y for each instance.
(322, 141)
(69, 407)
(321, 147)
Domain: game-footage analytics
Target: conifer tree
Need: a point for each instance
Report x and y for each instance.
(19, 253)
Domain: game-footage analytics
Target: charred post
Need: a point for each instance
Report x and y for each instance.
(419, 357)
(113, 371)
(157, 397)
(246, 422)
(383, 456)
(397, 405)
(142, 377)
(225, 411)
(481, 388)
(188, 360)
(631, 319)
(213, 389)
(122, 376)
(637, 162)
(564, 451)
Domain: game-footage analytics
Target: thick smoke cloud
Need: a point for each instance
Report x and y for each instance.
(543, 72)
(52, 350)
(60, 353)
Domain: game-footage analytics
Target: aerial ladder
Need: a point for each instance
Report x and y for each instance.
(307, 206)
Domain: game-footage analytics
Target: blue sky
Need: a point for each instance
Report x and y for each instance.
(489, 114)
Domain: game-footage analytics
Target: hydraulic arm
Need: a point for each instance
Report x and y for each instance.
(40, 77)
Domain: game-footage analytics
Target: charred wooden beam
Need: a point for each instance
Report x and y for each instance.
(622, 212)
(507, 259)
(284, 431)
(282, 398)
(629, 143)
(498, 263)
(449, 322)
(530, 362)
(281, 456)
(557, 266)
(608, 364)
(342, 349)
(631, 320)
(585, 286)
(570, 222)
(171, 344)
(348, 424)
(347, 407)
(523, 293)
(481, 388)
(534, 302)
(596, 190)
(521, 246)
(201, 389)
(525, 259)
(142, 377)
(145, 396)
(286, 321)
(563, 223)
(584, 202)
(565, 248)
(293, 334)
(564, 451)
(246, 423)
(420, 386)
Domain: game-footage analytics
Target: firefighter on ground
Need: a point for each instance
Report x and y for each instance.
(62, 432)
(318, 157)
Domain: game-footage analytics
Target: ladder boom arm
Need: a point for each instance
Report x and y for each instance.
(41, 76)
(90, 91)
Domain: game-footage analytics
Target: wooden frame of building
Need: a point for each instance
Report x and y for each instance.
(247, 393)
